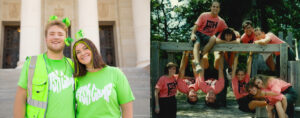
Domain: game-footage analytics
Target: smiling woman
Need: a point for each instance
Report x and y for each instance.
(101, 90)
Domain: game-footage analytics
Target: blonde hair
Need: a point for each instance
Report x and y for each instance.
(60, 24)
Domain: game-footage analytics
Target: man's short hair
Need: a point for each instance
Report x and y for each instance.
(57, 23)
(246, 23)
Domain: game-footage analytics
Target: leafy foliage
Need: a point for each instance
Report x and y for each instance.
(173, 22)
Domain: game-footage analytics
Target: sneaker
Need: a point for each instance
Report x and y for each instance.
(198, 67)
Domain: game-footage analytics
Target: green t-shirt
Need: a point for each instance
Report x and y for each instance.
(100, 94)
(61, 101)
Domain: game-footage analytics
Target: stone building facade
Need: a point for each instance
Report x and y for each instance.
(119, 28)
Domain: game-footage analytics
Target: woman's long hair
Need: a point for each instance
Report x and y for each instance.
(263, 78)
(97, 61)
(228, 31)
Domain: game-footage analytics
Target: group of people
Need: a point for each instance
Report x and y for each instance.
(277, 95)
(54, 86)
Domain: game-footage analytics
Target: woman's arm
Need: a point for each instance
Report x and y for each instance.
(20, 103)
(127, 110)
(235, 63)
(156, 100)
(249, 63)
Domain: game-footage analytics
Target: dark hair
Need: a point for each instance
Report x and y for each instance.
(191, 102)
(249, 85)
(211, 104)
(170, 65)
(210, 73)
(246, 23)
(240, 69)
(228, 31)
(97, 61)
(57, 23)
(216, 1)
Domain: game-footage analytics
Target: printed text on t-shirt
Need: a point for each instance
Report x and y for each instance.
(210, 26)
(87, 94)
(59, 81)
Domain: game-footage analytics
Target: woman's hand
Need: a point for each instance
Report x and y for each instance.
(157, 109)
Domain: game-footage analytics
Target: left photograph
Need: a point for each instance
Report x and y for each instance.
(74, 58)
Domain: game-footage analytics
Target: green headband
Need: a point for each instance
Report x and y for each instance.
(67, 22)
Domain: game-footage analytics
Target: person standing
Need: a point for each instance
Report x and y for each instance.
(46, 84)
(102, 91)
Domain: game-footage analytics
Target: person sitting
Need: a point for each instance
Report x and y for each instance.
(273, 99)
(204, 31)
(270, 38)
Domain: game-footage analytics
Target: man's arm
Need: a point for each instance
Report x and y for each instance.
(219, 86)
(264, 41)
(20, 103)
(235, 63)
(193, 35)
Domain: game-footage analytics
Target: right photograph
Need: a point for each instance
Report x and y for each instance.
(225, 58)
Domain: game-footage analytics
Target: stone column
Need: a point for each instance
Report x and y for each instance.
(141, 19)
(88, 20)
(30, 39)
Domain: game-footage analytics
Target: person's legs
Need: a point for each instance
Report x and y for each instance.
(209, 45)
(291, 97)
(197, 57)
(279, 109)
(172, 108)
(205, 61)
(270, 63)
(162, 108)
(217, 58)
(221, 97)
(269, 110)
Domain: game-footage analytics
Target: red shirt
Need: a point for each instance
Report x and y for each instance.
(238, 87)
(248, 39)
(210, 84)
(182, 86)
(167, 86)
(274, 40)
(276, 86)
(271, 100)
(209, 25)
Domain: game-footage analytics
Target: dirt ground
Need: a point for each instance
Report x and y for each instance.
(200, 110)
